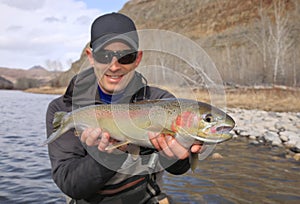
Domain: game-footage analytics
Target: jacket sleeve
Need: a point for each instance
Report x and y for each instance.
(74, 171)
(175, 166)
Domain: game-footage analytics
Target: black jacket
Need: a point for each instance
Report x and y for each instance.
(74, 171)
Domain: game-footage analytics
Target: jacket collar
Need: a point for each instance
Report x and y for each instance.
(83, 90)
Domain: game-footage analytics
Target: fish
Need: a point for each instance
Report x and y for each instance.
(189, 121)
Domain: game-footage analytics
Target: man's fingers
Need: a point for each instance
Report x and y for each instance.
(158, 140)
(104, 142)
(196, 148)
(153, 139)
(90, 136)
(85, 134)
(97, 137)
(178, 150)
(162, 141)
(170, 147)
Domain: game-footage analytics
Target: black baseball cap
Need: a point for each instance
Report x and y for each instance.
(113, 27)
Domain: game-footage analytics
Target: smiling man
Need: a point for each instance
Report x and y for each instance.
(83, 168)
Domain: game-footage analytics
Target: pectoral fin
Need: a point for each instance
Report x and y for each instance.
(115, 146)
(194, 161)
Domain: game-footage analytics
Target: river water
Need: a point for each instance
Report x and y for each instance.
(245, 174)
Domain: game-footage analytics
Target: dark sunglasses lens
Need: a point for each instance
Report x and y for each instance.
(124, 57)
(128, 59)
(103, 57)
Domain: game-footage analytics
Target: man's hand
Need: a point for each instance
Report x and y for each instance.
(169, 146)
(100, 138)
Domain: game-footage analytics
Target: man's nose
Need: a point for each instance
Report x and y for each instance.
(114, 65)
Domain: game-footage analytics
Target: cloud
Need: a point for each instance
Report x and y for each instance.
(24, 5)
(52, 19)
(14, 28)
(41, 30)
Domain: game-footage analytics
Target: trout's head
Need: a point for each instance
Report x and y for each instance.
(209, 124)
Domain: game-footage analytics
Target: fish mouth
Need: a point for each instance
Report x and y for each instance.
(214, 138)
(222, 129)
(216, 134)
(212, 135)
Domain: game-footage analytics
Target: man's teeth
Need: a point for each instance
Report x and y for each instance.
(115, 77)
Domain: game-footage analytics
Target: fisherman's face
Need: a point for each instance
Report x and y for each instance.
(113, 75)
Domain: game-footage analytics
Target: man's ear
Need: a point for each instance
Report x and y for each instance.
(89, 54)
(139, 58)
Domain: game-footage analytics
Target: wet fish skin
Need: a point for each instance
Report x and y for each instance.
(130, 123)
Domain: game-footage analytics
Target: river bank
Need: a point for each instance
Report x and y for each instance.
(47, 90)
(278, 99)
(276, 129)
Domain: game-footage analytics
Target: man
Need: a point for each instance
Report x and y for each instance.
(82, 167)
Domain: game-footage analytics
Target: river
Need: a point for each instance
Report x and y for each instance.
(245, 174)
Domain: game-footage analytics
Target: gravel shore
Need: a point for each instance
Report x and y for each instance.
(268, 127)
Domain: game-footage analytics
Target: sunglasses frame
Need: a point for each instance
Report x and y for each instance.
(124, 56)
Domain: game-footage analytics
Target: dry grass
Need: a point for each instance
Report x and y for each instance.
(265, 99)
(274, 99)
(269, 99)
(47, 90)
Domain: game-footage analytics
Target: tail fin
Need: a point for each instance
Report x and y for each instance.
(52, 137)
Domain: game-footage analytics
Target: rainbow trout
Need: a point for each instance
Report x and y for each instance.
(187, 120)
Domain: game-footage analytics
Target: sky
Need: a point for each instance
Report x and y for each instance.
(47, 32)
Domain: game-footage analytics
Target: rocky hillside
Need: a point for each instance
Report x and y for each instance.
(193, 18)
(252, 42)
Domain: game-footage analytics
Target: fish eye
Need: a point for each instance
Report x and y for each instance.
(208, 118)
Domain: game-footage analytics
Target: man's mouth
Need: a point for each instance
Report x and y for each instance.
(114, 78)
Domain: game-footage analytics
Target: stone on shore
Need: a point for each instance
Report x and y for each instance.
(297, 157)
(216, 156)
(275, 128)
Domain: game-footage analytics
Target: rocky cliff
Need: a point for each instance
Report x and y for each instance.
(252, 42)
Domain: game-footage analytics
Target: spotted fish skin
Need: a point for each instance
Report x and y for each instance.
(131, 123)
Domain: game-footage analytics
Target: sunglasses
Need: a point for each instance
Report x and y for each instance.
(123, 56)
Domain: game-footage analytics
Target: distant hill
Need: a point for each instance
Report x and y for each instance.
(37, 71)
(21, 78)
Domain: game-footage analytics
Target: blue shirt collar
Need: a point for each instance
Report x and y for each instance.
(107, 98)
